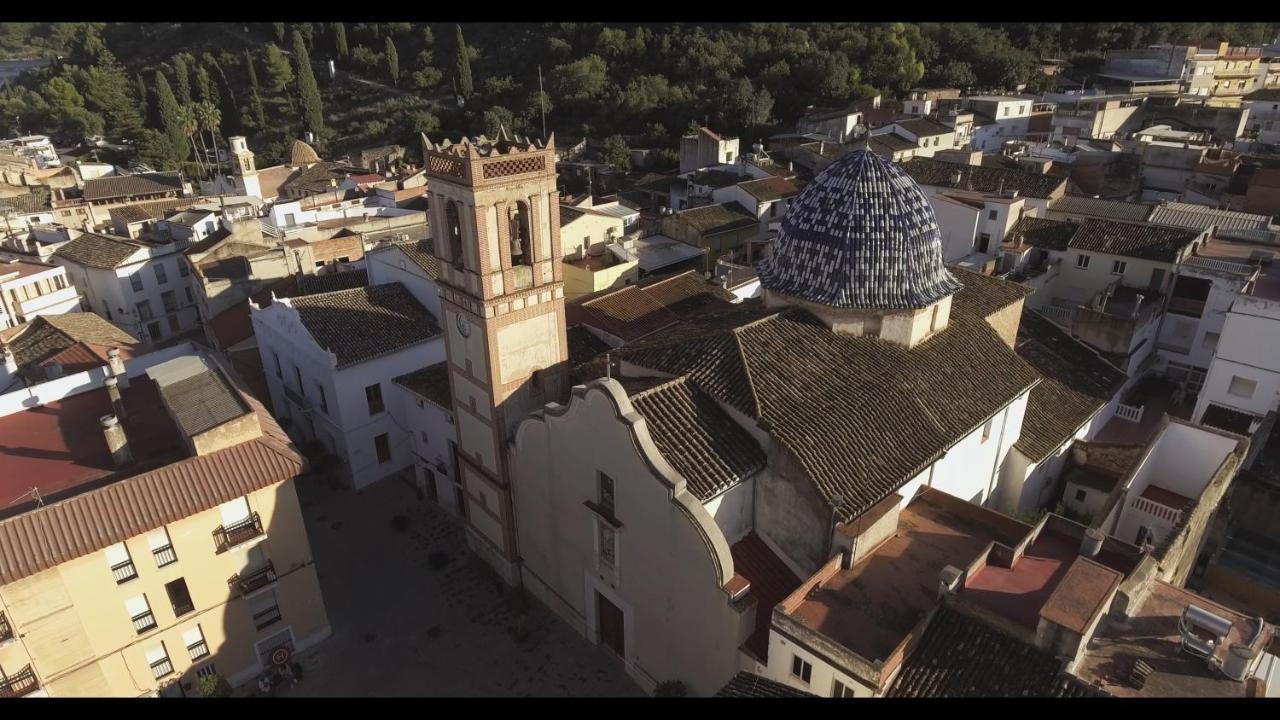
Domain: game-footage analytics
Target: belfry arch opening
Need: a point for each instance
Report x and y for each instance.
(521, 236)
(453, 225)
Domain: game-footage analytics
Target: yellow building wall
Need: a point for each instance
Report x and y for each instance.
(579, 282)
(72, 618)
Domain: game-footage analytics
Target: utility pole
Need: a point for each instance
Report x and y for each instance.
(542, 105)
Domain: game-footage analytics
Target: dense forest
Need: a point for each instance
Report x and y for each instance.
(174, 91)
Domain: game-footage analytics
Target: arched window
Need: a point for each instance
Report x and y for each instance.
(521, 239)
(453, 227)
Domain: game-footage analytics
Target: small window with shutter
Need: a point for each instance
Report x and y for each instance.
(161, 547)
(120, 563)
(234, 511)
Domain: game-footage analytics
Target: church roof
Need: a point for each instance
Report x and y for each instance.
(302, 154)
(861, 416)
(862, 235)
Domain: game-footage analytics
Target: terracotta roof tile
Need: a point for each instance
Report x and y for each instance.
(431, 382)
(1229, 419)
(1150, 242)
(749, 685)
(928, 171)
(332, 282)
(771, 582)
(1077, 383)
(723, 217)
(707, 448)
(108, 188)
(1043, 233)
(770, 188)
(78, 341)
(962, 657)
(363, 323)
(93, 250)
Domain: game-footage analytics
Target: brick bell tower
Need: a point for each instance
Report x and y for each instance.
(495, 214)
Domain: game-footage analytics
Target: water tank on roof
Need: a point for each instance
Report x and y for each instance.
(1236, 664)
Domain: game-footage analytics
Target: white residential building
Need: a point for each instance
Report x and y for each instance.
(1244, 376)
(144, 288)
(330, 361)
(706, 148)
(998, 118)
(29, 289)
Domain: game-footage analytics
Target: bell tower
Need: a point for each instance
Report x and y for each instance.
(495, 214)
(246, 170)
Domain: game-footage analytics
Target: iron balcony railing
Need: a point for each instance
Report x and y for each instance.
(144, 621)
(263, 618)
(198, 649)
(226, 537)
(21, 683)
(124, 571)
(6, 630)
(161, 667)
(165, 556)
(254, 579)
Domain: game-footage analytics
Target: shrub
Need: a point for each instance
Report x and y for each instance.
(211, 686)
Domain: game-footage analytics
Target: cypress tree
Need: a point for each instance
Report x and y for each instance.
(255, 100)
(393, 62)
(340, 39)
(140, 89)
(170, 117)
(312, 110)
(279, 32)
(464, 66)
(182, 76)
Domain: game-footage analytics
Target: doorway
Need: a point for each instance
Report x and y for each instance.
(611, 629)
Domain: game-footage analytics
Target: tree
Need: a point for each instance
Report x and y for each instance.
(255, 100)
(312, 110)
(171, 118)
(211, 686)
(428, 37)
(140, 91)
(424, 122)
(182, 78)
(279, 74)
(580, 80)
(340, 39)
(156, 150)
(426, 78)
(496, 118)
(393, 62)
(279, 27)
(204, 86)
(465, 87)
(107, 91)
(617, 154)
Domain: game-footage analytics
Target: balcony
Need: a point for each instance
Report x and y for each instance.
(254, 579)
(21, 683)
(165, 556)
(265, 618)
(161, 668)
(33, 306)
(124, 571)
(226, 537)
(144, 621)
(6, 630)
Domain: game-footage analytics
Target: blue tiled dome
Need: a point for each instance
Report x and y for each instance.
(861, 235)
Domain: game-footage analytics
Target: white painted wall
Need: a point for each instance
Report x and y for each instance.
(959, 226)
(432, 430)
(347, 428)
(822, 678)
(1249, 348)
(389, 264)
(109, 292)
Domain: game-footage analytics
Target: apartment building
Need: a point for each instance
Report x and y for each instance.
(152, 537)
(29, 289)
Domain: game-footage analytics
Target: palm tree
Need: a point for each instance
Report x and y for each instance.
(209, 118)
(190, 126)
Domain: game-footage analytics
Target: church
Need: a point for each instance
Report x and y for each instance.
(664, 509)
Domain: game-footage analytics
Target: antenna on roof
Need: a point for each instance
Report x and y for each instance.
(608, 365)
(34, 492)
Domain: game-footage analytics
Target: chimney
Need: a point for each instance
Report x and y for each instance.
(117, 442)
(1092, 543)
(956, 176)
(117, 402)
(949, 580)
(10, 362)
(116, 364)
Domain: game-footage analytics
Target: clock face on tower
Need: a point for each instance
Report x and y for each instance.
(464, 325)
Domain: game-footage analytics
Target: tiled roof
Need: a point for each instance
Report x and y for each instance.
(270, 179)
(771, 582)
(889, 143)
(1229, 419)
(121, 186)
(431, 382)
(1103, 208)
(1148, 242)
(202, 402)
(105, 252)
(861, 235)
(770, 188)
(924, 127)
(712, 452)
(715, 178)
(1264, 95)
(962, 657)
(302, 154)
(1077, 383)
(363, 323)
(78, 341)
(985, 295)
(749, 685)
(332, 282)
(861, 416)
(152, 210)
(1201, 217)
(635, 312)
(30, 202)
(317, 179)
(712, 219)
(55, 533)
(928, 171)
(1042, 233)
